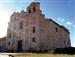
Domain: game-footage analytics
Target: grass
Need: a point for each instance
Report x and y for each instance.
(42, 55)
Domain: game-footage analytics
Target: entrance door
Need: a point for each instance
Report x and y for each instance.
(19, 46)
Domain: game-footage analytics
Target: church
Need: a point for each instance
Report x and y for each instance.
(31, 30)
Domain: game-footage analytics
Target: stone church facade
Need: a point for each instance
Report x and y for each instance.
(32, 31)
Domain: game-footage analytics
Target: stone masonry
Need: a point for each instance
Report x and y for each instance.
(32, 31)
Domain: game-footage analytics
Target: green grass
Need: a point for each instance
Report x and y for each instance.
(42, 55)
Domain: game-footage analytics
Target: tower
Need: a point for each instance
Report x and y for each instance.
(34, 7)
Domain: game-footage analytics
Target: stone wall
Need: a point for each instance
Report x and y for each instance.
(48, 34)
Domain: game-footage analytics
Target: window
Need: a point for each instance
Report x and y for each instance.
(56, 29)
(9, 35)
(34, 9)
(33, 39)
(33, 29)
(29, 10)
(68, 42)
(8, 43)
(21, 25)
(64, 41)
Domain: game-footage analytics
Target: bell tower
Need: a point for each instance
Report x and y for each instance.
(34, 7)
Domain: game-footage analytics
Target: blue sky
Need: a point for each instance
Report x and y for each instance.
(62, 11)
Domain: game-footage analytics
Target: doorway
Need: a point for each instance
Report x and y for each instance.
(19, 46)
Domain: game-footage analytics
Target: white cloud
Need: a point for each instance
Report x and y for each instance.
(64, 21)
(68, 23)
(61, 19)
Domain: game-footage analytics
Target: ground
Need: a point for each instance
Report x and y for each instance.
(34, 55)
(41, 55)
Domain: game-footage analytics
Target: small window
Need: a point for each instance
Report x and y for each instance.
(34, 9)
(21, 25)
(29, 10)
(56, 29)
(9, 35)
(33, 29)
(68, 42)
(8, 43)
(33, 39)
(64, 41)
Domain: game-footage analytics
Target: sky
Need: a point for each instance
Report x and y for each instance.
(61, 11)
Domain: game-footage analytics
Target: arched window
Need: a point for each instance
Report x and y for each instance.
(9, 43)
(34, 9)
(33, 29)
(33, 39)
(64, 41)
(56, 29)
(29, 10)
(68, 42)
(9, 35)
(21, 25)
